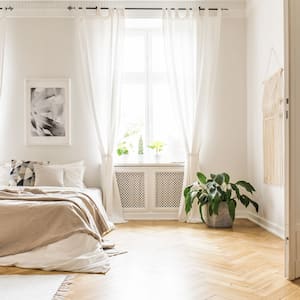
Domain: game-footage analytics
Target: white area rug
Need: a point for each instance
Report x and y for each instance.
(34, 287)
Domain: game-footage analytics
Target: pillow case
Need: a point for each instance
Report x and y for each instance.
(73, 177)
(73, 174)
(22, 172)
(4, 173)
(48, 176)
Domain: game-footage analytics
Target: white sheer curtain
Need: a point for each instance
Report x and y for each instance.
(2, 48)
(101, 45)
(192, 45)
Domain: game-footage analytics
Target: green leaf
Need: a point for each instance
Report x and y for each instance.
(219, 179)
(231, 208)
(228, 194)
(187, 190)
(246, 185)
(210, 209)
(201, 213)
(214, 193)
(255, 205)
(157, 146)
(235, 204)
(201, 177)
(212, 176)
(215, 205)
(236, 189)
(220, 191)
(246, 200)
(209, 197)
(202, 199)
(188, 203)
(226, 178)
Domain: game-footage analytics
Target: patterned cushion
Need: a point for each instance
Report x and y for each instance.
(22, 172)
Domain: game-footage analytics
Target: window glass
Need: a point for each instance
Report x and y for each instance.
(165, 123)
(148, 122)
(158, 54)
(134, 53)
(132, 121)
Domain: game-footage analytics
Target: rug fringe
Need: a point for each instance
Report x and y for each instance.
(64, 288)
(114, 252)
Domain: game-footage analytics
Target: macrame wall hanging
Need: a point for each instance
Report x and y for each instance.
(273, 129)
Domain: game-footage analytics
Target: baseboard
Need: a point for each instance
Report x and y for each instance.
(167, 215)
(151, 216)
(260, 221)
(241, 214)
(267, 225)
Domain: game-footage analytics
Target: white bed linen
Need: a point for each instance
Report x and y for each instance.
(77, 253)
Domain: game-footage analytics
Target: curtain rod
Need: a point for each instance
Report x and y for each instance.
(128, 8)
(141, 8)
(6, 8)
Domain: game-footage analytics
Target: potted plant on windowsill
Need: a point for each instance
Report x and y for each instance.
(219, 196)
(157, 146)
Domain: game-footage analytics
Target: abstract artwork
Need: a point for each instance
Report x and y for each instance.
(47, 112)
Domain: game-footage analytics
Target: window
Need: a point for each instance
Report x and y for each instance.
(147, 115)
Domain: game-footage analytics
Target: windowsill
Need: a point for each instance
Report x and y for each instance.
(158, 161)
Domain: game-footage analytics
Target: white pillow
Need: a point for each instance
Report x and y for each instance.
(73, 174)
(4, 173)
(48, 176)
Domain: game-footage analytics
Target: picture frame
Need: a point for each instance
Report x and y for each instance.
(47, 112)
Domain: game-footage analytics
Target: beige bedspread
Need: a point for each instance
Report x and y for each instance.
(32, 218)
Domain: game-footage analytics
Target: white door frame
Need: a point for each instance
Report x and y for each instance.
(288, 268)
(292, 142)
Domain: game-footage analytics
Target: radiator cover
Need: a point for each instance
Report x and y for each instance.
(150, 192)
(132, 189)
(168, 188)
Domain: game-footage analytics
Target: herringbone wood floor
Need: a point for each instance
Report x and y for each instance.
(171, 260)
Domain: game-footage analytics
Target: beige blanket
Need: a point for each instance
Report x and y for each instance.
(32, 218)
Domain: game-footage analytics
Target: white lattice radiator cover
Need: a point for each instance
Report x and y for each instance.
(147, 192)
(168, 189)
(132, 189)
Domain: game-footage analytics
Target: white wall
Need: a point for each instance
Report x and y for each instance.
(224, 148)
(264, 31)
(225, 145)
(47, 47)
(37, 48)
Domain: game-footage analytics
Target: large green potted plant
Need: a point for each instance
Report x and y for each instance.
(219, 196)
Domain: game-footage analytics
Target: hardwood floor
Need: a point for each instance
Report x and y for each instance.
(171, 260)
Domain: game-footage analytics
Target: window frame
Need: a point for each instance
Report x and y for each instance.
(148, 78)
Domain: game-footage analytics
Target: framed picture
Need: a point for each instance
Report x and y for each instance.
(47, 112)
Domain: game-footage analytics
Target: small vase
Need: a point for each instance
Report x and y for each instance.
(157, 156)
(222, 220)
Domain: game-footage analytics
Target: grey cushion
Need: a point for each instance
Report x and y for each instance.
(48, 176)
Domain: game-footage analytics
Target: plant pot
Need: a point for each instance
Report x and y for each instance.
(222, 220)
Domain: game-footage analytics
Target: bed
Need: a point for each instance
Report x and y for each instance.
(53, 228)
